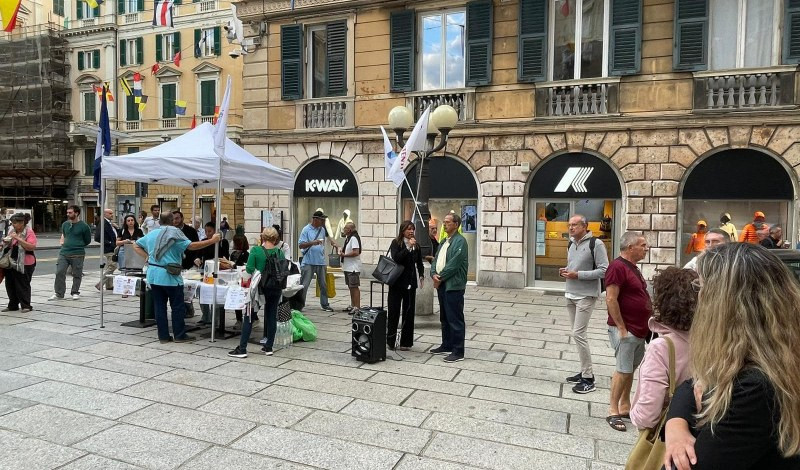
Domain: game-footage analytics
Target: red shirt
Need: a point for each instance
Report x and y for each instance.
(634, 301)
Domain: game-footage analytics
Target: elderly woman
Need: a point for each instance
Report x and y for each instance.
(18, 284)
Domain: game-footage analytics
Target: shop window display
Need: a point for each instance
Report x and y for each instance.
(338, 209)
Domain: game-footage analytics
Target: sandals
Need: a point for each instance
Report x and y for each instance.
(616, 423)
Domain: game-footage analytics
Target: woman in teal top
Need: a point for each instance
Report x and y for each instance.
(258, 261)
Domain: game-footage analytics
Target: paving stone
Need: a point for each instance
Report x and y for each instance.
(213, 382)
(305, 398)
(82, 399)
(66, 355)
(500, 456)
(56, 327)
(315, 355)
(615, 452)
(9, 404)
(57, 425)
(558, 376)
(420, 383)
(413, 462)
(18, 451)
(126, 366)
(325, 345)
(384, 412)
(490, 411)
(70, 319)
(366, 431)
(318, 451)
(217, 458)
(144, 447)
(597, 428)
(328, 369)
(123, 351)
(477, 365)
(44, 338)
(93, 462)
(171, 393)
(80, 375)
(346, 387)
(509, 383)
(189, 423)
(605, 466)
(14, 380)
(417, 370)
(11, 345)
(258, 410)
(186, 361)
(110, 336)
(530, 399)
(242, 370)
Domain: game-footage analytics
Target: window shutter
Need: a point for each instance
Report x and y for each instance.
(532, 47)
(122, 55)
(97, 11)
(197, 36)
(626, 37)
(159, 45)
(292, 62)
(121, 7)
(139, 51)
(96, 59)
(479, 42)
(791, 32)
(217, 41)
(131, 108)
(176, 2)
(79, 10)
(168, 93)
(176, 44)
(80, 60)
(208, 100)
(336, 60)
(402, 43)
(140, 5)
(691, 35)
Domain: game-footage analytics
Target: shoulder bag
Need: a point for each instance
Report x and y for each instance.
(648, 452)
(334, 260)
(387, 271)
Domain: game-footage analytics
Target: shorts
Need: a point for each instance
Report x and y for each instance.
(352, 280)
(629, 351)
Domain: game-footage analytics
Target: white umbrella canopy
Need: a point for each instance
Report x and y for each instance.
(190, 160)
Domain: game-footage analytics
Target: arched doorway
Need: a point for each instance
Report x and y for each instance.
(452, 188)
(565, 185)
(738, 182)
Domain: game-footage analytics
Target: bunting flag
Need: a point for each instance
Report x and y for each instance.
(137, 87)
(194, 121)
(216, 115)
(180, 107)
(99, 91)
(162, 13)
(95, 3)
(198, 48)
(142, 102)
(125, 87)
(8, 14)
(154, 68)
(137, 77)
(103, 147)
(177, 59)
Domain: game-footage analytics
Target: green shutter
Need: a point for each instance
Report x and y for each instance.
(532, 46)
(626, 37)
(139, 51)
(79, 10)
(402, 42)
(89, 106)
(80, 60)
(217, 40)
(140, 5)
(292, 62)
(691, 35)
(336, 60)
(197, 37)
(479, 42)
(176, 2)
(131, 109)
(208, 98)
(96, 59)
(168, 94)
(122, 53)
(176, 44)
(121, 7)
(791, 32)
(159, 53)
(97, 11)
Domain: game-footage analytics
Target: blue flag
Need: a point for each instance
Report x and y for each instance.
(103, 140)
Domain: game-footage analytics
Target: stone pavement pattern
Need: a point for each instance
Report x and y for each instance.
(74, 396)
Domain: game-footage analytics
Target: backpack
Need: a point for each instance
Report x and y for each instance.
(275, 273)
(594, 264)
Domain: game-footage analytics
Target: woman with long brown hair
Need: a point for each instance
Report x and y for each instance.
(743, 357)
(402, 294)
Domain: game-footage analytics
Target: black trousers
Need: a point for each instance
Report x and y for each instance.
(401, 301)
(18, 287)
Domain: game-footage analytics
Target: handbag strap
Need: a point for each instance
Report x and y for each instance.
(672, 385)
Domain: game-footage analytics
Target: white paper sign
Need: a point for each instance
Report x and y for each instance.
(237, 298)
(125, 285)
(207, 294)
(189, 290)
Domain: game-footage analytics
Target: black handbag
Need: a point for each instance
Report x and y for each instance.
(334, 260)
(387, 271)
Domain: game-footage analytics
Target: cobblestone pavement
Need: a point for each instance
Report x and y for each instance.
(75, 396)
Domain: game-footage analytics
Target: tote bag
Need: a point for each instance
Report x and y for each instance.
(387, 271)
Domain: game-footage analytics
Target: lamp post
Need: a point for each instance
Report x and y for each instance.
(442, 120)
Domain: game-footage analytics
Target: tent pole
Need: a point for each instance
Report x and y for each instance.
(216, 254)
(194, 203)
(102, 227)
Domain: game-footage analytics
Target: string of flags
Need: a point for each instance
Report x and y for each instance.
(162, 13)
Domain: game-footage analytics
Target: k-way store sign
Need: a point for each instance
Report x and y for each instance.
(325, 178)
(325, 186)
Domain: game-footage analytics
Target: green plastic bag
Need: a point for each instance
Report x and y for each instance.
(308, 332)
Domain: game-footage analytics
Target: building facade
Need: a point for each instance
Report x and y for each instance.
(645, 115)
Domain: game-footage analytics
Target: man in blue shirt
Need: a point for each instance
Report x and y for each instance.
(312, 251)
(162, 247)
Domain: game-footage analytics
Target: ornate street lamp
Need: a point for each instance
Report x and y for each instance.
(442, 120)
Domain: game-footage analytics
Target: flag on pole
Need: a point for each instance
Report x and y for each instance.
(416, 142)
(389, 157)
(103, 147)
(142, 102)
(177, 59)
(154, 68)
(8, 14)
(198, 48)
(95, 3)
(125, 87)
(180, 107)
(194, 121)
(221, 126)
(162, 13)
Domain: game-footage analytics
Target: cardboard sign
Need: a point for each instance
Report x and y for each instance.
(125, 285)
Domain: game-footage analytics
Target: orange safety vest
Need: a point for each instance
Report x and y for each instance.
(697, 243)
(749, 234)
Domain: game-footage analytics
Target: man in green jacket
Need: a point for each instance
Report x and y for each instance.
(75, 237)
(449, 273)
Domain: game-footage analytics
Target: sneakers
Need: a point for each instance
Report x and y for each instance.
(349, 308)
(453, 358)
(440, 350)
(263, 340)
(238, 352)
(26, 309)
(55, 297)
(76, 296)
(584, 386)
(267, 351)
(165, 340)
(327, 308)
(185, 339)
(575, 378)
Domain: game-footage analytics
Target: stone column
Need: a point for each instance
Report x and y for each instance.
(425, 301)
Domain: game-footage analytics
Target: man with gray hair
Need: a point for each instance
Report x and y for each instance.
(775, 238)
(350, 258)
(587, 261)
(629, 309)
(714, 237)
(449, 274)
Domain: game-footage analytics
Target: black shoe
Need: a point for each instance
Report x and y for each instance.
(165, 340)
(267, 351)
(575, 378)
(453, 358)
(238, 352)
(439, 350)
(327, 308)
(584, 386)
(185, 339)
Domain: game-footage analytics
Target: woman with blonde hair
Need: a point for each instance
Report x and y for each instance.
(745, 409)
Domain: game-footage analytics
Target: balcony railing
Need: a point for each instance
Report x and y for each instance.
(131, 18)
(594, 98)
(208, 119)
(89, 22)
(461, 100)
(208, 5)
(133, 125)
(169, 123)
(325, 113)
(103, 20)
(743, 90)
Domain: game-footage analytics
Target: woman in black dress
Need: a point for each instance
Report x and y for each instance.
(239, 256)
(402, 294)
(128, 233)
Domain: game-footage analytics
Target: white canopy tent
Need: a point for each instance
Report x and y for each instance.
(192, 161)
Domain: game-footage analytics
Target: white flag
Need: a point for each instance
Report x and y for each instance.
(417, 141)
(220, 128)
(389, 157)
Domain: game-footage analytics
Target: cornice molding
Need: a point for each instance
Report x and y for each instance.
(257, 10)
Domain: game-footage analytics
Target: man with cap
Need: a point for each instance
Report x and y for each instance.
(750, 231)
(726, 226)
(312, 252)
(698, 241)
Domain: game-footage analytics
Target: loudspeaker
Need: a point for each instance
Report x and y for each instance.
(369, 335)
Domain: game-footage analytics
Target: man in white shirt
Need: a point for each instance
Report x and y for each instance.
(151, 221)
(351, 265)
(713, 237)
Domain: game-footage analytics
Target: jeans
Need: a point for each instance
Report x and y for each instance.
(451, 314)
(111, 266)
(272, 297)
(18, 287)
(408, 299)
(306, 273)
(76, 261)
(173, 294)
(580, 311)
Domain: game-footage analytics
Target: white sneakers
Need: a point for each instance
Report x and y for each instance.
(76, 296)
(56, 297)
